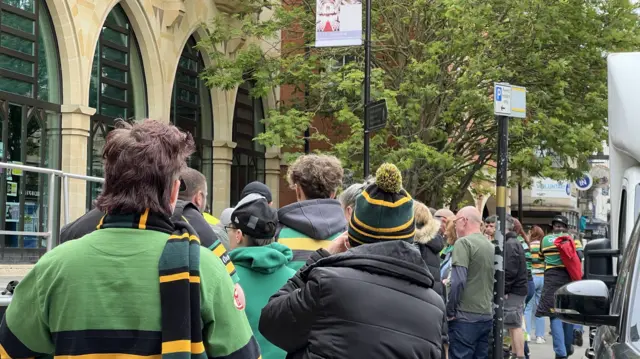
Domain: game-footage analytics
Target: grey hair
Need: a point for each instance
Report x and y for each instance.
(348, 196)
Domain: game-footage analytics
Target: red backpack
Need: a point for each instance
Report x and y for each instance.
(567, 248)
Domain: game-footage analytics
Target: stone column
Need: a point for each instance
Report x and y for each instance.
(76, 125)
(222, 159)
(272, 176)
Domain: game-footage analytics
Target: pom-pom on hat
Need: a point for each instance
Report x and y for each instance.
(383, 211)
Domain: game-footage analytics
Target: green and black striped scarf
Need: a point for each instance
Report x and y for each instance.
(179, 276)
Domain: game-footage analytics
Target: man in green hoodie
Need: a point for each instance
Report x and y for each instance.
(317, 218)
(261, 262)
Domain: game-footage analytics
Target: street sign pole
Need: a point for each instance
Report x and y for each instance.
(367, 84)
(501, 211)
(508, 101)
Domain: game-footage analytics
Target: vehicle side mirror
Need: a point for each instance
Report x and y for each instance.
(598, 261)
(585, 302)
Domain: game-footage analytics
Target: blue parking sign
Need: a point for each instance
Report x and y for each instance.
(498, 93)
(584, 183)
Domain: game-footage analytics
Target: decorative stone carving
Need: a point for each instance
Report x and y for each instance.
(170, 13)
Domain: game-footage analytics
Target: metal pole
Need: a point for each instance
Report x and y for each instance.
(520, 202)
(65, 195)
(307, 133)
(501, 210)
(52, 203)
(367, 85)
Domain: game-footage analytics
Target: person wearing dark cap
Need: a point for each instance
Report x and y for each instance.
(261, 262)
(374, 300)
(555, 276)
(258, 188)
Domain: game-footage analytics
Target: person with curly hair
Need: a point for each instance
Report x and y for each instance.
(317, 218)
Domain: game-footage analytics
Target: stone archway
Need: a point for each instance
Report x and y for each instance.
(490, 206)
(73, 88)
(150, 53)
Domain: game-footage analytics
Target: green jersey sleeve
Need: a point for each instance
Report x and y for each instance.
(24, 332)
(226, 329)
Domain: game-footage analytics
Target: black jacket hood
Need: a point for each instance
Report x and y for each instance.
(397, 259)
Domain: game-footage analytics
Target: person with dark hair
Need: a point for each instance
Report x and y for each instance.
(316, 219)
(192, 201)
(261, 262)
(523, 238)
(126, 288)
(490, 227)
(193, 187)
(555, 276)
(372, 301)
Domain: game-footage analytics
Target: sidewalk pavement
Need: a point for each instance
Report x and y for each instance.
(545, 351)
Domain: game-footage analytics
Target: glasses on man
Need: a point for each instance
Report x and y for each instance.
(459, 218)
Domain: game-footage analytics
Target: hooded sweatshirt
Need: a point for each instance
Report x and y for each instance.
(309, 225)
(264, 271)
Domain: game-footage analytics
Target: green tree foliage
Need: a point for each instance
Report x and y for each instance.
(435, 62)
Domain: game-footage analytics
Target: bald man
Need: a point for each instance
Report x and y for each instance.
(470, 306)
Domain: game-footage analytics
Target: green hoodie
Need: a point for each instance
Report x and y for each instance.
(263, 271)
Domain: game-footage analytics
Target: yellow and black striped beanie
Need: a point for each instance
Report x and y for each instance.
(383, 211)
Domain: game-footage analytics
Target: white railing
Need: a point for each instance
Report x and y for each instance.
(53, 191)
(65, 189)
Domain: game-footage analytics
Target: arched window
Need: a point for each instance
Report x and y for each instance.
(248, 156)
(30, 92)
(191, 110)
(117, 89)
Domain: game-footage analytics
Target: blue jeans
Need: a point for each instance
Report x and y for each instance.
(530, 309)
(562, 334)
(469, 340)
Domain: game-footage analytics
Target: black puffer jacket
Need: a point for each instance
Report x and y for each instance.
(374, 301)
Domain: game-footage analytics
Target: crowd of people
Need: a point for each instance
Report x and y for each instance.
(360, 272)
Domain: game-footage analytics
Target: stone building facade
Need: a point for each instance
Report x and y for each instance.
(70, 68)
